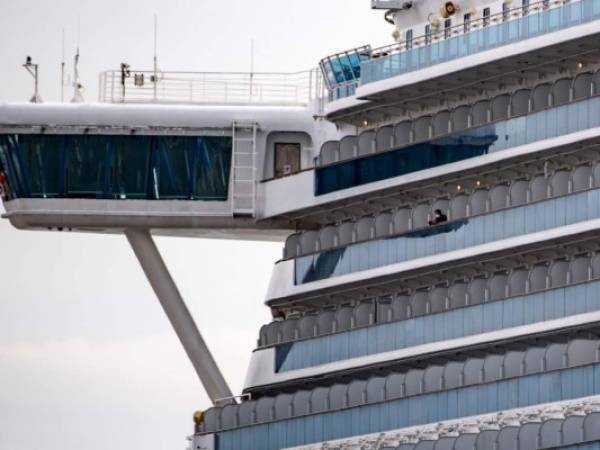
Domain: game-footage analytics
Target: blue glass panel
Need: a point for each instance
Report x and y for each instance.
(338, 70)
(355, 64)
(210, 175)
(131, 166)
(469, 321)
(117, 167)
(88, 166)
(35, 165)
(427, 408)
(343, 71)
(492, 36)
(502, 224)
(347, 68)
(458, 146)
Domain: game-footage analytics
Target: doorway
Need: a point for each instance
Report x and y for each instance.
(287, 159)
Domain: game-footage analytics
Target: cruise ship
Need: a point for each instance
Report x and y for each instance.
(438, 205)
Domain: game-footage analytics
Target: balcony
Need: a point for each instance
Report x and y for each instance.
(454, 235)
(562, 425)
(515, 121)
(352, 415)
(445, 326)
(515, 25)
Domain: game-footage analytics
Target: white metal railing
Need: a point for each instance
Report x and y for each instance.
(440, 32)
(437, 34)
(213, 88)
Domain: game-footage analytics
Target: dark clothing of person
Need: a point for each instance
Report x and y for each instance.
(439, 218)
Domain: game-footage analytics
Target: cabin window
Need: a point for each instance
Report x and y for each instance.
(287, 159)
(505, 11)
(409, 38)
(447, 28)
(466, 22)
(486, 16)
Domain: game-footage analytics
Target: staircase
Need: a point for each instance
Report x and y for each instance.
(243, 194)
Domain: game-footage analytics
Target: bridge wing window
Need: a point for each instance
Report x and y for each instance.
(344, 67)
(35, 168)
(131, 166)
(117, 166)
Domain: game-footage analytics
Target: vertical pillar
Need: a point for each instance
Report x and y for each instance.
(166, 290)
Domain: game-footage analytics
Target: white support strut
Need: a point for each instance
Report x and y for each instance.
(166, 290)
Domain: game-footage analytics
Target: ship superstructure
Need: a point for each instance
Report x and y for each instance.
(439, 198)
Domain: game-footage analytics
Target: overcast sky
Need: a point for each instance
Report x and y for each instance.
(88, 360)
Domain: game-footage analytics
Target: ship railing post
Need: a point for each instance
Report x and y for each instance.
(176, 310)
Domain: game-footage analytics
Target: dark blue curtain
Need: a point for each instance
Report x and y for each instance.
(117, 167)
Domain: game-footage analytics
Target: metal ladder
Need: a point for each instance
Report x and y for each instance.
(243, 195)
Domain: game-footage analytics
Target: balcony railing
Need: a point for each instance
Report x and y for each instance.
(526, 309)
(486, 33)
(459, 146)
(407, 411)
(455, 235)
(211, 88)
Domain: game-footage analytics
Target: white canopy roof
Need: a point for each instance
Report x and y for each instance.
(167, 116)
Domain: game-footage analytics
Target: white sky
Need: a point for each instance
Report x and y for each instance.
(88, 360)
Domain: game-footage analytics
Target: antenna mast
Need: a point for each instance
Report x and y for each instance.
(251, 68)
(77, 86)
(62, 69)
(155, 75)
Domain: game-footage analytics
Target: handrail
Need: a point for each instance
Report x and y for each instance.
(376, 302)
(436, 228)
(319, 164)
(440, 33)
(239, 88)
(447, 33)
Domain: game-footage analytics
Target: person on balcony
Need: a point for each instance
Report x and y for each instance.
(4, 191)
(438, 218)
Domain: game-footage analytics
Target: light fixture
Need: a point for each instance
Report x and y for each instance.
(458, 187)
(448, 9)
(580, 65)
(365, 123)
(478, 183)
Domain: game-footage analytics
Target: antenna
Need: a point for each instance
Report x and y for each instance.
(77, 86)
(62, 69)
(155, 75)
(252, 57)
(33, 70)
(251, 68)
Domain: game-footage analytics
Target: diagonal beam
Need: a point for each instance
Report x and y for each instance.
(166, 290)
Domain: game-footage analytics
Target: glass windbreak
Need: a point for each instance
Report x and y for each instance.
(344, 67)
(117, 167)
(412, 411)
(489, 37)
(459, 146)
(462, 322)
(455, 235)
